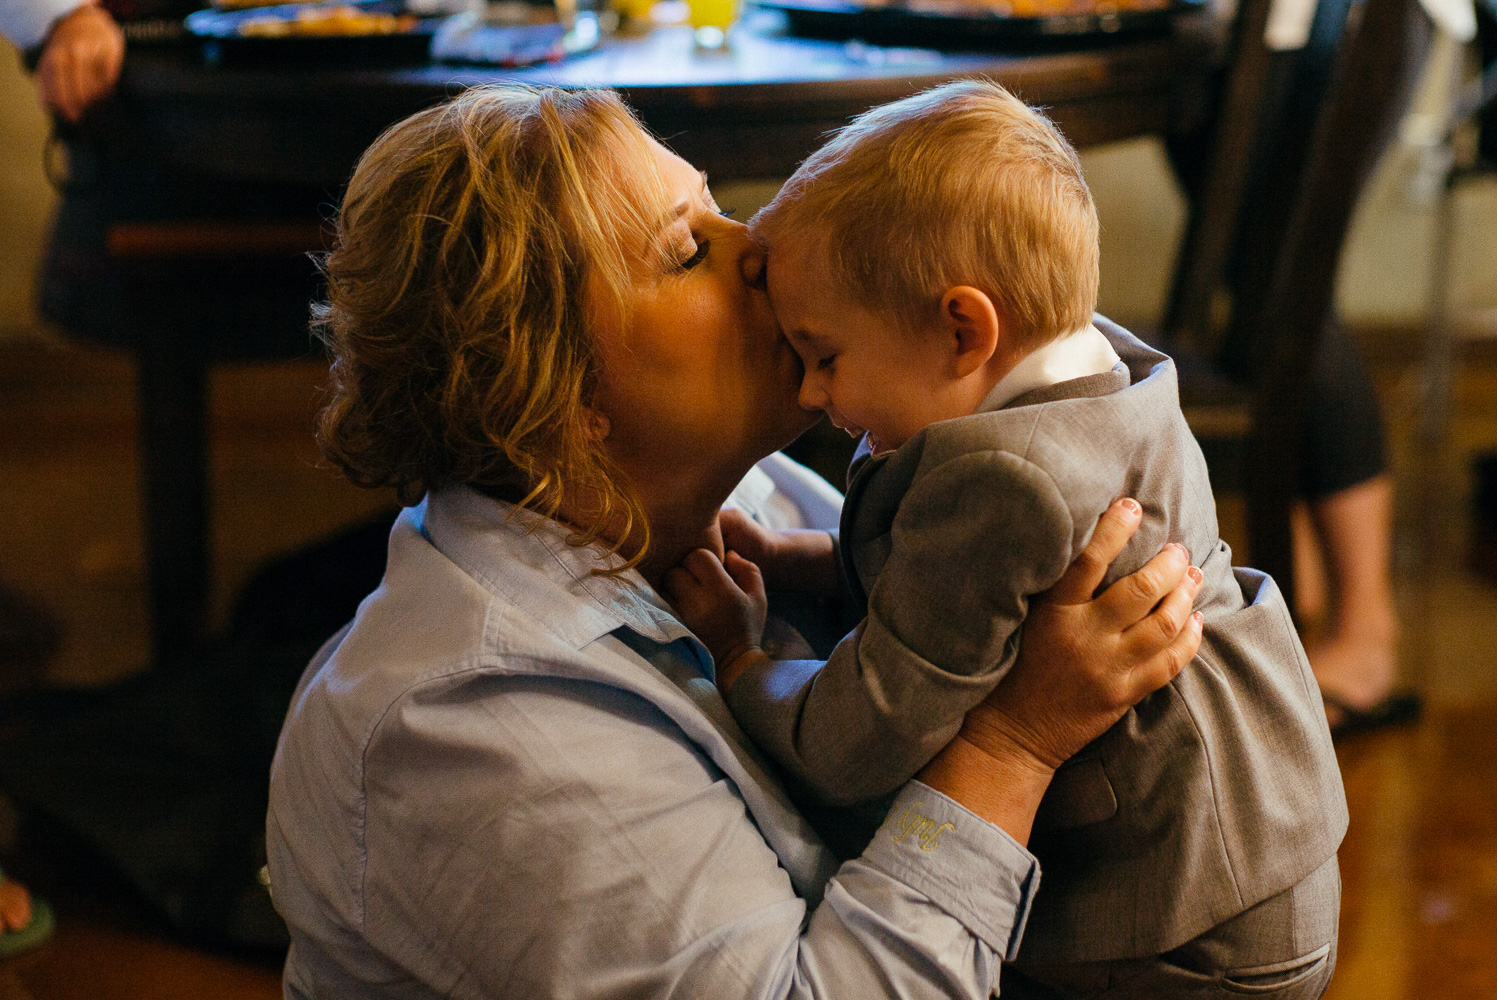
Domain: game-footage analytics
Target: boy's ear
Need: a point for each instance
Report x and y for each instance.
(973, 327)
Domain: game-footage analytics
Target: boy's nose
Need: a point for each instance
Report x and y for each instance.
(812, 395)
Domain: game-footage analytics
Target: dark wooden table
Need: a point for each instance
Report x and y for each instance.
(753, 111)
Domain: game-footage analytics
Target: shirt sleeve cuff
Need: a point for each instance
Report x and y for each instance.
(967, 866)
(28, 24)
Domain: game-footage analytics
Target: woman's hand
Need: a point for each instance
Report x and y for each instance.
(1083, 662)
(80, 61)
(724, 604)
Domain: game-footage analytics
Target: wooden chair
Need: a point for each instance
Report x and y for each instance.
(1453, 332)
(172, 371)
(1294, 142)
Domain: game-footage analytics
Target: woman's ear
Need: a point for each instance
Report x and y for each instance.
(972, 326)
(597, 423)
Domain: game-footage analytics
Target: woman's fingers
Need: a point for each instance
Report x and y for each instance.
(1081, 580)
(1157, 671)
(1133, 597)
(1160, 627)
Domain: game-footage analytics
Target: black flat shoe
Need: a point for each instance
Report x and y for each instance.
(1397, 708)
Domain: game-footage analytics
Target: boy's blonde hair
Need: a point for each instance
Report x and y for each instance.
(468, 241)
(960, 185)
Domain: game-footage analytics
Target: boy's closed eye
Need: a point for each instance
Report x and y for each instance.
(814, 351)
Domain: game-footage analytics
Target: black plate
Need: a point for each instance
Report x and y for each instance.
(218, 31)
(952, 24)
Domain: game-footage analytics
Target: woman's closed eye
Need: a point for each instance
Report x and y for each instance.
(825, 363)
(699, 255)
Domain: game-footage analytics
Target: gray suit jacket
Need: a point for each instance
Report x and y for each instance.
(1211, 795)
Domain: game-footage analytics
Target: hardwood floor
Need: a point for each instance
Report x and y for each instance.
(1419, 864)
(103, 957)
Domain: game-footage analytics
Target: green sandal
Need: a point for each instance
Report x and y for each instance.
(38, 930)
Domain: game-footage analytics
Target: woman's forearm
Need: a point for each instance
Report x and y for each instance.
(999, 783)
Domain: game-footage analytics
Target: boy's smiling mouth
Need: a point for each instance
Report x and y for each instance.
(842, 424)
(852, 430)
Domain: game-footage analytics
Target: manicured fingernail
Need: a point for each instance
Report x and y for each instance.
(1131, 506)
(1198, 618)
(1195, 576)
(1179, 548)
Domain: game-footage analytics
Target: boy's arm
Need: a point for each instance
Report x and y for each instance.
(971, 540)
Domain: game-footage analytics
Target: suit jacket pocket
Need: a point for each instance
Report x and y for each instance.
(1080, 794)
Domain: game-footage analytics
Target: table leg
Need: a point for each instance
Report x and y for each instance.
(172, 389)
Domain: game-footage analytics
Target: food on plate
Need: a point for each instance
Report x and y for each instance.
(1026, 8)
(343, 19)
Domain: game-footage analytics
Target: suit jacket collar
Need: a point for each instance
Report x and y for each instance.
(1085, 387)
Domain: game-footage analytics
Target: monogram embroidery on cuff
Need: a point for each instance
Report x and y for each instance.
(918, 827)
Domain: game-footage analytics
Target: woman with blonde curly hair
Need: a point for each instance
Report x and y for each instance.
(511, 774)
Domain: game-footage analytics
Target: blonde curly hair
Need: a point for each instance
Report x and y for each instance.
(469, 240)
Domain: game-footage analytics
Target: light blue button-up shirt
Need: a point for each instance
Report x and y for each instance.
(511, 777)
(26, 22)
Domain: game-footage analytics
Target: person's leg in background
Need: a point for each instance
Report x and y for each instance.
(1344, 539)
(1354, 653)
(15, 905)
(29, 636)
(1347, 541)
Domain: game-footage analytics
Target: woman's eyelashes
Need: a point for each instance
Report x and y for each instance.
(825, 363)
(702, 244)
(699, 255)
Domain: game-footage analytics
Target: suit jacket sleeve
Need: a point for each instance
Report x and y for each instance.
(972, 539)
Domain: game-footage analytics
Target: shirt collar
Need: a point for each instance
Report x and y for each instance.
(1075, 355)
(527, 560)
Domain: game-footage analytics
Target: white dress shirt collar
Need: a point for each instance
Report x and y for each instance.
(1075, 355)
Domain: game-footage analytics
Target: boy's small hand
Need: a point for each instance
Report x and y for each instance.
(798, 560)
(722, 602)
(749, 538)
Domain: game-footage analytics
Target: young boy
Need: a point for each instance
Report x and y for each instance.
(935, 265)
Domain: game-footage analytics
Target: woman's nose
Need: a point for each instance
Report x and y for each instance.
(752, 264)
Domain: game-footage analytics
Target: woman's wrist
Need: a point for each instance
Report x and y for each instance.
(1001, 785)
(995, 733)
